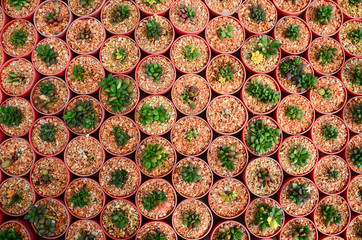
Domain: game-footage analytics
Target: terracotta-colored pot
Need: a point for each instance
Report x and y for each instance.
(27, 17)
(290, 219)
(229, 221)
(283, 13)
(25, 225)
(340, 76)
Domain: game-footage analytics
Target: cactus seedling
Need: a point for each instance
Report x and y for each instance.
(302, 233)
(188, 14)
(85, 34)
(258, 13)
(120, 13)
(191, 174)
(53, 17)
(13, 157)
(15, 78)
(191, 220)
(264, 177)
(190, 96)
(192, 135)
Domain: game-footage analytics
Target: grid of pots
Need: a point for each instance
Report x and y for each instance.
(162, 119)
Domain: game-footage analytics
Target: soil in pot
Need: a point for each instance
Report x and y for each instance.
(154, 34)
(188, 131)
(326, 55)
(331, 174)
(155, 74)
(120, 219)
(192, 219)
(291, 7)
(84, 156)
(329, 133)
(258, 16)
(154, 7)
(228, 198)
(354, 194)
(299, 197)
(190, 54)
(293, 33)
(261, 53)
(261, 94)
(17, 77)
(119, 135)
(52, 18)
(49, 136)
(84, 198)
(192, 177)
(351, 8)
(160, 148)
(191, 94)
(19, 38)
(324, 17)
(119, 100)
(299, 227)
(263, 176)
(295, 74)
(50, 95)
(156, 199)
(354, 153)
(189, 15)
(225, 34)
(119, 54)
(119, 177)
(295, 114)
(332, 215)
(227, 156)
(354, 229)
(17, 116)
(328, 95)
(230, 230)
(223, 8)
(17, 196)
(298, 155)
(257, 214)
(120, 16)
(13, 228)
(225, 74)
(352, 114)
(254, 132)
(83, 229)
(349, 36)
(84, 8)
(2, 18)
(226, 114)
(155, 115)
(85, 35)
(350, 75)
(155, 230)
(83, 114)
(51, 56)
(49, 177)
(54, 218)
(84, 74)
(19, 9)
(17, 156)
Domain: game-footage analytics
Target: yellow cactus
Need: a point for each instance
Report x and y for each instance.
(257, 57)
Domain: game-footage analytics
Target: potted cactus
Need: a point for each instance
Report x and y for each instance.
(52, 18)
(84, 156)
(258, 17)
(18, 38)
(190, 130)
(223, 8)
(299, 229)
(227, 156)
(350, 37)
(353, 153)
(228, 198)
(329, 95)
(49, 218)
(17, 229)
(225, 74)
(119, 135)
(264, 217)
(156, 199)
(17, 157)
(350, 74)
(86, 7)
(156, 230)
(155, 147)
(149, 7)
(354, 194)
(120, 16)
(352, 114)
(192, 177)
(84, 229)
(85, 35)
(49, 177)
(298, 196)
(154, 34)
(119, 177)
(20, 9)
(298, 155)
(260, 53)
(291, 8)
(190, 54)
(192, 219)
